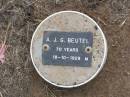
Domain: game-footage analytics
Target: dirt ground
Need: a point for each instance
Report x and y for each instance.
(18, 21)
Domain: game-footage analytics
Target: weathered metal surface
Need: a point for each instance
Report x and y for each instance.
(68, 76)
(67, 48)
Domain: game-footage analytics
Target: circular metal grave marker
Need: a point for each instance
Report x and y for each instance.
(68, 49)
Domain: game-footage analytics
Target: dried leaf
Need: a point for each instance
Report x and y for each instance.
(3, 48)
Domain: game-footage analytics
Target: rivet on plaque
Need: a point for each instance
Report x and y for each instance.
(67, 49)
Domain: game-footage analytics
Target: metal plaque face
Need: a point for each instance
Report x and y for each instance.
(67, 48)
